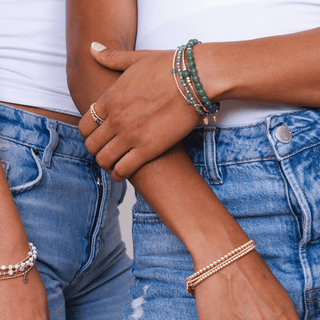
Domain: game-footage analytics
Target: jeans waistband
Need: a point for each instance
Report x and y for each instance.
(38, 132)
(261, 141)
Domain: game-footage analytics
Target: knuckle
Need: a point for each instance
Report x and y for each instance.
(103, 162)
(90, 147)
(82, 128)
(120, 171)
(110, 58)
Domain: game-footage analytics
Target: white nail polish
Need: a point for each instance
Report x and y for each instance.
(96, 46)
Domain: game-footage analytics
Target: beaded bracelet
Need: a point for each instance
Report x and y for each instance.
(191, 81)
(214, 267)
(21, 268)
(178, 56)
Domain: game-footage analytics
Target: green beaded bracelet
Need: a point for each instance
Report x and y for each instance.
(209, 107)
(183, 76)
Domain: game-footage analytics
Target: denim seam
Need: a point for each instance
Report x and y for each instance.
(293, 174)
(314, 242)
(247, 160)
(285, 186)
(31, 184)
(143, 222)
(92, 244)
(29, 145)
(288, 155)
(303, 245)
(289, 113)
(314, 161)
(234, 128)
(318, 312)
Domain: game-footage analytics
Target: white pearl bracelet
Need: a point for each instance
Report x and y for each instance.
(21, 268)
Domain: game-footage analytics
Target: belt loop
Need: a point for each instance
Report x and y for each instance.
(210, 158)
(54, 139)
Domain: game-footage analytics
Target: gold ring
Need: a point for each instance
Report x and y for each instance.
(95, 116)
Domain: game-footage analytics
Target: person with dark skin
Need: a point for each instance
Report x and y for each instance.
(61, 201)
(145, 118)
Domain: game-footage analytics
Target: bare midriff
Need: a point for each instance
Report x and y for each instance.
(67, 118)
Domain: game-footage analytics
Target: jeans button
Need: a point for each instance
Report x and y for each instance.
(283, 134)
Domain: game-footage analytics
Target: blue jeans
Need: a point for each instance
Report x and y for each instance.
(68, 206)
(269, 180)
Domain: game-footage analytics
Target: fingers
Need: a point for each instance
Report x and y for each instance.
(114, 59)
(127, 165)
(110, 154)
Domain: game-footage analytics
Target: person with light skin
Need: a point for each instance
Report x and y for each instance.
(144, 119)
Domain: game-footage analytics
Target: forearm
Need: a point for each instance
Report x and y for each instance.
(112, 23)
(185, 203)
(283, 69)
(14, 240)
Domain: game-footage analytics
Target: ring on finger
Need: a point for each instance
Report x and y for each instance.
(95, 116)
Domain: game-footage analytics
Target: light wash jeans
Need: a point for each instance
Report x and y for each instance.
(68, 206)
(269, 180)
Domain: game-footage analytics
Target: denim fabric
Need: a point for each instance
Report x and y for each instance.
(272, 188)
(68, 206)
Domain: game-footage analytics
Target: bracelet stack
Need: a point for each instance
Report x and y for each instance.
(193, 91)
(21, 268)
(214, 267)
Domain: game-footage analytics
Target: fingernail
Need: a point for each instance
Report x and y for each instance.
(96, 46)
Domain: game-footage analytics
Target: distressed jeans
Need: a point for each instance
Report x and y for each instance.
(268, 177)
(68, 207)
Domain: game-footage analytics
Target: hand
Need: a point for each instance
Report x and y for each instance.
(27, 301)
(143, 110)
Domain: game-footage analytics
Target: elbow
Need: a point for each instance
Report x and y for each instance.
(71, 71)
(76, 84)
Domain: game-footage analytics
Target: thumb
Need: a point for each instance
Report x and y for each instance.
(119, 60)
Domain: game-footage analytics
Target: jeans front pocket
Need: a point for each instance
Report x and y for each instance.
(22, 165)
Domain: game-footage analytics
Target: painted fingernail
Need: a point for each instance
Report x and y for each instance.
(96, 46)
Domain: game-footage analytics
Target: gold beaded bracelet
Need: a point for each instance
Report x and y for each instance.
(214, 267)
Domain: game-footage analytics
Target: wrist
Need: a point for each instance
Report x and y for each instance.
(213, 68)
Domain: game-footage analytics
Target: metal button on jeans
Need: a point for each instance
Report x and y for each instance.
(283, 134)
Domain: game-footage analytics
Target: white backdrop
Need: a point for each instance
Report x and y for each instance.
(126, 218)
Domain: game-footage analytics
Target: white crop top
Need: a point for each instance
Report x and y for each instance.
(33, 55)
(166, 24)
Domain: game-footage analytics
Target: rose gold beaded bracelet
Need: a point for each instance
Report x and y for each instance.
(214, 267)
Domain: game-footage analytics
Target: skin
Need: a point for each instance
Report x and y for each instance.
(19, 300)
(146, 115)
(147, 95)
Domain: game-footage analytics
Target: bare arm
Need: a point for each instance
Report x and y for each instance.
(18, 300)
(246, 289)
(168, 184)
(282, 69)
(88, 21)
